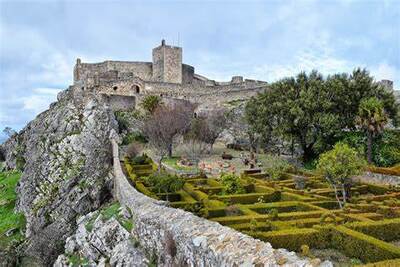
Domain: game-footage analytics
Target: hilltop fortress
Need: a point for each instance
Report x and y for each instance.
(124, 83)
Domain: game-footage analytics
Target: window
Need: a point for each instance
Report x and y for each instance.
(115, 88)
(137, 89)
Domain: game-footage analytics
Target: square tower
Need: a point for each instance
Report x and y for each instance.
(167, 63)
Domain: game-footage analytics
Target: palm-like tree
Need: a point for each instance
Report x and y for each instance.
(372, 119)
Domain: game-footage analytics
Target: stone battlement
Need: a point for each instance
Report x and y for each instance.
(165, 76)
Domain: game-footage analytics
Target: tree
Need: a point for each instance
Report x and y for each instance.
(193, 141)
(338, 166)
(313, 111)
(295, 108)
(372, 118)
(150, 103)
(211, 126)
(164, 124)
(9, 131)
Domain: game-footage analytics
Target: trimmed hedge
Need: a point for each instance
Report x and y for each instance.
(361, 246)
(250, 198)
(143, 189)
(196, 194)
(387, 230)
(388, 263)
(395, 171)
(293, 239)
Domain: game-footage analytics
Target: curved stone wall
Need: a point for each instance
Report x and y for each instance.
(181, 238)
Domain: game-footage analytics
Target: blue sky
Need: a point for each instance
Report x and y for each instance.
(267, 40)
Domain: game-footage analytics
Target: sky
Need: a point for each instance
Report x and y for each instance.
(266, 40)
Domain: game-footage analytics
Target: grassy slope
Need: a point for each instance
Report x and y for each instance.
(8, 218)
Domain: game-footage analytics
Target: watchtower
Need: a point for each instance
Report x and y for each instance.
(167, 63)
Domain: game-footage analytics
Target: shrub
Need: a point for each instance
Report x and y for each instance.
(277, 167)
(133, 150)
(141, 160)
(326, 216)
(134, 137)
(163, 182)
(231, 184)
(305, 250)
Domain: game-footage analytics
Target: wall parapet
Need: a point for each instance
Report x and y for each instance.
(195, 241)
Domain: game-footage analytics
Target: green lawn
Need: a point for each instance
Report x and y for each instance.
(173, 162)
(8, 218)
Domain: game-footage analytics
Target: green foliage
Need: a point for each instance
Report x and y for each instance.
(126, 119)
(313, 110)
(361, 246)
(277, 167)
(371, 115)
(231, 184)
(387, 230)
(164, 182)
(293, 239)
(76, 260)
(150, 103)
(9, 219)
(107, 212)
(340, 163)
(140, 160)
(134, 137)
(385, 149)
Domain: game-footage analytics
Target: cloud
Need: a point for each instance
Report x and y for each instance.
(40, 100)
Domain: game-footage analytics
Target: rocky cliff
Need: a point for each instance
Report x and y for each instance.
(65, 155)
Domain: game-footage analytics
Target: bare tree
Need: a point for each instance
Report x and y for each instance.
(193, 144)
(216, 122)
(164, 124)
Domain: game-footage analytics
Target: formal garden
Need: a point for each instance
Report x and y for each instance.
(298, 210)
(301, 179)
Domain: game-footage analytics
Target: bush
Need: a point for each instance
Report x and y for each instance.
(277, 167)
(134, 137)
(141, 160)
(231, 184)
(163, 182)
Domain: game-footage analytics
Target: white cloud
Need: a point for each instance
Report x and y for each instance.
(40, 101)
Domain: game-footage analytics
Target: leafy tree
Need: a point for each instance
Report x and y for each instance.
(313, 111)
(150, 103)
(338, 166)
(372, 119)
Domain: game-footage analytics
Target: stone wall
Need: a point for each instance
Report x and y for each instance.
(181, 238)
(83, 71)
(118, 102)
(378, 178)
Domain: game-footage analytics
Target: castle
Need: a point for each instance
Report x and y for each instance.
(125, 83)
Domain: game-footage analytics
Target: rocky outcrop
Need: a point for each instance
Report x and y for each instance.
(9, 152)
(66, 156)
(99, 240)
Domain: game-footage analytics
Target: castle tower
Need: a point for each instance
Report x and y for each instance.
(167, 63)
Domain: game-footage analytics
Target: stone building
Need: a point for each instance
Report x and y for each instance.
(124, 83)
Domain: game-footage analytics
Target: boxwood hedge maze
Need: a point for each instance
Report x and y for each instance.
(296, 212)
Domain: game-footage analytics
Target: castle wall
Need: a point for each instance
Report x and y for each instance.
(119, 102)
(142, 70)
(187, 74)
(198, 242)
